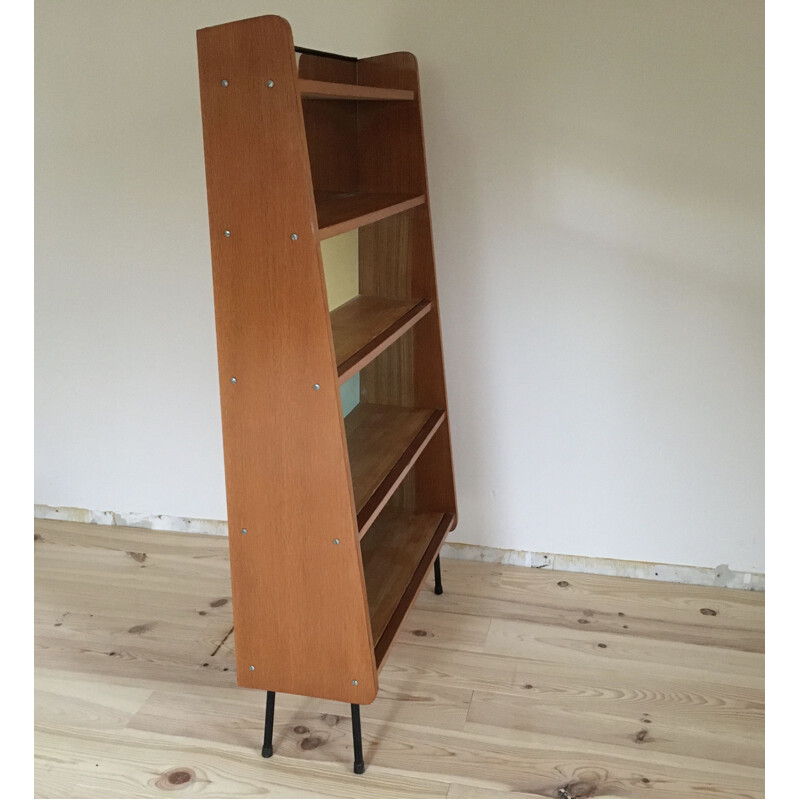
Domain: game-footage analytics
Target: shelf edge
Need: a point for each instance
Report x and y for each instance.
(370, 216)
(372, 349)
(330, 90)
(384, 643)
(381, 496)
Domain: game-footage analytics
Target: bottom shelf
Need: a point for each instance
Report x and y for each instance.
(398, 552)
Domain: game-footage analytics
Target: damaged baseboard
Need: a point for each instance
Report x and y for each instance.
(671, 573)
(156, 522)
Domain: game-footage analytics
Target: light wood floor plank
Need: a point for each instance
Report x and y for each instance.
(667, 602)
(670, 659)
(639, 726)
(709, 623)
(456, 631)
(544, 682)
(73, 762)
(494, 689)
(516, 761)
(466, 791)
(230, 718)
(589, 768)
(87, 703)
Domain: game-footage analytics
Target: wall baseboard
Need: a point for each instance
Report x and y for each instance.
(671, 573)
(157, 522)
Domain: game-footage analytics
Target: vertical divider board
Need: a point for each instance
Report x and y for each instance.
(317, 604)
(299, 600)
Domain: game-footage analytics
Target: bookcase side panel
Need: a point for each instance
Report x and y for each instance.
(392, 149)
(300, 610)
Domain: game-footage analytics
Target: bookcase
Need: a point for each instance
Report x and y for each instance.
(334, 521)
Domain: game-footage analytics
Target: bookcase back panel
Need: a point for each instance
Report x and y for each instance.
(331, 126)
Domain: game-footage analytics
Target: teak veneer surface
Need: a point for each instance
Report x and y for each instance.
(328, 90)
(339, 213)
(407, 545)
(396, 259)
(294, 156)
(365, 326)
(391, 551)
(286, 465)
(383, 443)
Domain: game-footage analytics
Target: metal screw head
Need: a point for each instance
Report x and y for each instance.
(233, 380)
(316, 387)
(224, 82)
(244, 531)
(252, 668)
(336, 541)
(294, 237)
(355, 683)
(227, 233)
(270, 84)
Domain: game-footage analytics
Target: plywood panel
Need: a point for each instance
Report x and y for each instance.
(384, 443)
(299, 492)
(328, 90)
(391, 551)
(342, 212)
(332, 127)
(286, 464)
(365, 326)
(392, 158)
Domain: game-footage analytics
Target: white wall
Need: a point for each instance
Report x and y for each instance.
(596, 173)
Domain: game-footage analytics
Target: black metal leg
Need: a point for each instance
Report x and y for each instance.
(358, 757)
(437, 576)
(266, 749)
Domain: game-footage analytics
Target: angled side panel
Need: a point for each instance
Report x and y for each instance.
(300, 608)
(392, 158)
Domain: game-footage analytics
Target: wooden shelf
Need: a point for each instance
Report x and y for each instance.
(397, 555)
(383, 443)
(328, 90)
(338, 213)
(366, 325)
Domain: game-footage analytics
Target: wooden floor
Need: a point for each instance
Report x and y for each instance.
(516, 682)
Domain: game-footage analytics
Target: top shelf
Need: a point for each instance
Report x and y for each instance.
(327, 90)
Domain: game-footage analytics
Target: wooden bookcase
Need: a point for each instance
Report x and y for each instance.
(334, 522)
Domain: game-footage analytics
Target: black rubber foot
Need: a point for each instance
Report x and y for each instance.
(359, 768)
(266, 752)
(438, 590)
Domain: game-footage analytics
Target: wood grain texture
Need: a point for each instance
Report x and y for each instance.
(435, 541)
(126, 619)
(338, 212)
(331, 127)
(395, 256)
(687, 618)
(398, 257)
(384, 443)
(286, 466)
(298, 150)
(366, 325)
(392, 550)
(328, 90)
